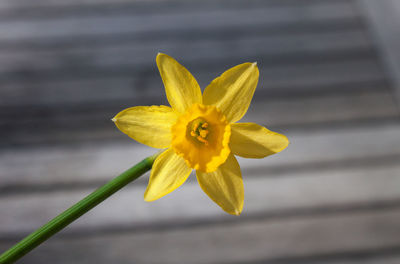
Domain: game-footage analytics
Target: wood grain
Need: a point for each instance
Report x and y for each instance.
(194, 19)
(235, 242)
(101, 83)
(141, 53)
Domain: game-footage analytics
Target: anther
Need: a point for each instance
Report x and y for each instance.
(199, 131)
(196, 126)
(202, 140)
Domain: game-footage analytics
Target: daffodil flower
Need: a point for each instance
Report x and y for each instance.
(199, 132)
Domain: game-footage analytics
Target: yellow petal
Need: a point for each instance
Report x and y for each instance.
(149, 125)
(168, 173)
(250, 140)
(224, 186)
(181, 87)
(233, 90)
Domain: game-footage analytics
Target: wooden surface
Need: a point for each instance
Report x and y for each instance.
(385, 24)
(69, 66)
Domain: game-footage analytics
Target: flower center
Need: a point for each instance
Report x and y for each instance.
(201, 136)
(199, 130)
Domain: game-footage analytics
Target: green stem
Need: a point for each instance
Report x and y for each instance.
(58, 223)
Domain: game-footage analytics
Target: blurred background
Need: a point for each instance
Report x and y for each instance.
(329, 80)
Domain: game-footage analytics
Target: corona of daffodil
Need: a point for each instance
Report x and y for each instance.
(199, 132)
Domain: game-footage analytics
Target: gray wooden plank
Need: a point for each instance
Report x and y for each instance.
(193, 19)
(23, 10)
(377, 255)
(227, 32)
(141, 54)
(8, 5)
(292, 191)
(98, 162)
(231, 243)
(97, 83)
(323, 74)
(372, 260)
(383, 19)
(314, 109)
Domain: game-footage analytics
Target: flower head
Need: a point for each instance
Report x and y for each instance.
(199, 132)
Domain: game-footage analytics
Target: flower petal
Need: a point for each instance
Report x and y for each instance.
(250, 140)
(168, 173)
(224, 186)
(233, 90)
(149, 125)
(181, 87)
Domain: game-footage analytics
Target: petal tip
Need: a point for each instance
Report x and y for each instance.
(287, 141)
(237, 212)
(148, 198)
(114, 119)
(159, 54)
(254, 63)
(233, 211)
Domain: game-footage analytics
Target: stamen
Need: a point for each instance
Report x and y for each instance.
(196, 126)
(199, 130)
(202, 140)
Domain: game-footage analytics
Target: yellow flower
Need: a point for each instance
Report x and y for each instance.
(199, 132)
